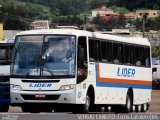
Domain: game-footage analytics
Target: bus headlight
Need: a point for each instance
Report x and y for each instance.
(66, 87)
(15, 87)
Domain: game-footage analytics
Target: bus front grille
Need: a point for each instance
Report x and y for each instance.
(47, 97)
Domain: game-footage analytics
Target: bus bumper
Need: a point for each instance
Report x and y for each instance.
(66, 97)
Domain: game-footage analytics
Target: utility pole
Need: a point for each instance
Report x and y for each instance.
(144, 23)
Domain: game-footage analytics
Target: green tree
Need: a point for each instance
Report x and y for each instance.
(98, 20)
(138, 23)
(156, 7)
(121, 10)
(121, 21)
(155, 51)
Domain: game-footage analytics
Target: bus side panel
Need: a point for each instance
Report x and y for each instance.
(106, 93)
(141, 96)
(117, 79)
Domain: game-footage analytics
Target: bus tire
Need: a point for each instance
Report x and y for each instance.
(138, 108)
(129, 103)
(133, 108)
(4, 108)
(84, 108)
(144, 107)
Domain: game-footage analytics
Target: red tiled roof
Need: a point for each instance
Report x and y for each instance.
(130, 15)
(108, 13)
(147, 10)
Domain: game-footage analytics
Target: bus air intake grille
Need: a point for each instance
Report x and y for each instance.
(47, 97)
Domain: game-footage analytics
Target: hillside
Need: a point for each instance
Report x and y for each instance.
(22, 13)
(74, 6)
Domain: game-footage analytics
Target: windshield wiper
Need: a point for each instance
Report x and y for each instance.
(45, 68)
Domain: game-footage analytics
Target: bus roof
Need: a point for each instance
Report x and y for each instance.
(132, 40)
(67, 27)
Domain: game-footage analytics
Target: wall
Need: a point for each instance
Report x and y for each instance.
(10, 34)
(1, 31)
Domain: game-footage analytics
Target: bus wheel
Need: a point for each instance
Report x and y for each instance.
(84, 108)
(138, 108)
(4, 108)
(144, 107)
(129, 103)
(87, 104)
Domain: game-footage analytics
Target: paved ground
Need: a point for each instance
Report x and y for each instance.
(155, 102)
(15, 113)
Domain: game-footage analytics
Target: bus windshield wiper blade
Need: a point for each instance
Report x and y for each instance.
(45, 68)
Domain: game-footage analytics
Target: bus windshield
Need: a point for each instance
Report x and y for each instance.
(44, 55)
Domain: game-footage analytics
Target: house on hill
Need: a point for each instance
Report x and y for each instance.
(150, 13)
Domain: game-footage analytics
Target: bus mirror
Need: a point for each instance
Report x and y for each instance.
(154, 70)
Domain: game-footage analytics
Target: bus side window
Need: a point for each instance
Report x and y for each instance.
(147, 57)
(115, 53)
(142, 56)
(104, 51)
(137, 56)
(120, 53)
(127, 54)
(91, 50)
(132, 55)
(109, 52)
(97, 50)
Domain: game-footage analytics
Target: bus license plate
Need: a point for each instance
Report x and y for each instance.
(40, 96)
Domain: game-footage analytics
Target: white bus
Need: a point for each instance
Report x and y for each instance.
(5, 61)
(82, 70)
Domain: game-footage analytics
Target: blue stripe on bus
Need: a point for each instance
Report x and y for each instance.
(119, 85)
(123, 85)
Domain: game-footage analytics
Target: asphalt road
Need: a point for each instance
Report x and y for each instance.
(15, 113)
(155, 102)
